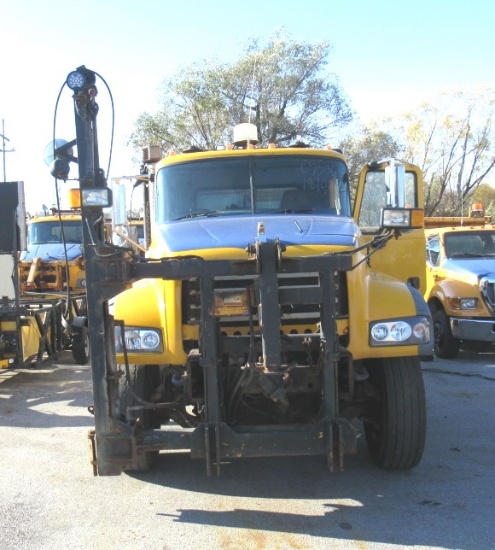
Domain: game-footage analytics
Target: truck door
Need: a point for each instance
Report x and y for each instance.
(392, 184)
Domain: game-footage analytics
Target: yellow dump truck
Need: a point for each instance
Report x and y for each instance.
(262, 320)
(460, 254)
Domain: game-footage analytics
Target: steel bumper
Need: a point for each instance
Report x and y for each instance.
(473, 329)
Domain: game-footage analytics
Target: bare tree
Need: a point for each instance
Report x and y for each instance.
(452, 139)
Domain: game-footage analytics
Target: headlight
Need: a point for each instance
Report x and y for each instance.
(404, 332)
(462, 303)
(137, 339)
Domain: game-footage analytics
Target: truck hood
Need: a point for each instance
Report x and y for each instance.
(239, 231)
(51, 252)
(478, 267)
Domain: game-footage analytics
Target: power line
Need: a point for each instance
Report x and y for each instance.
(4, 139)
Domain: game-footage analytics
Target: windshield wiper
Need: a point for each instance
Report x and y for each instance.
(207, 214)
(468, 254)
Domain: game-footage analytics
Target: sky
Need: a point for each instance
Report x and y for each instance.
(389, 56)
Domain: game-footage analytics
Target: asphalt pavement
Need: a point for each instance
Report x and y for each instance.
(50, 499)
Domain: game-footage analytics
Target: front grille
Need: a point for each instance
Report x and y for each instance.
(299, 296)
(487, 289)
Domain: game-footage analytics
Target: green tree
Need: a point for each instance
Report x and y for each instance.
(282, 87)
(452, 139)
(367, 144)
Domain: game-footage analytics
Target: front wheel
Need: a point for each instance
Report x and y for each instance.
(395, 431)
(446, 346)
(133, 390)
(80, 346)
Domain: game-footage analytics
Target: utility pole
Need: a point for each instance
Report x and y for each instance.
(4, 139)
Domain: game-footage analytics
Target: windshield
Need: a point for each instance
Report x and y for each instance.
(470, 244)
(49, 232)
(255, 184)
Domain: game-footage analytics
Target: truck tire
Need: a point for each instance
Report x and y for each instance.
(80, 346)
(144, 379)
(445, 346)
(396, 431)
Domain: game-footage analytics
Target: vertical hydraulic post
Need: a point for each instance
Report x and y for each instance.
(91, 177)
(330, 355)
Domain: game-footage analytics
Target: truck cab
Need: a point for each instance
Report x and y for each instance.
(223, 205)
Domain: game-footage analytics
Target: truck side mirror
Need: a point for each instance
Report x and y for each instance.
(120, 206)
(395, 177)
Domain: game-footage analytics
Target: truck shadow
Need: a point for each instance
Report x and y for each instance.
(362, 503)
(47, 396)
(444, 502)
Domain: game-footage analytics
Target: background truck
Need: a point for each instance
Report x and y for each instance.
(53, 259)
(460, 254)
(43, 284)
(256, 324)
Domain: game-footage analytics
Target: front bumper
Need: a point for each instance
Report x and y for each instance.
(478, 330)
